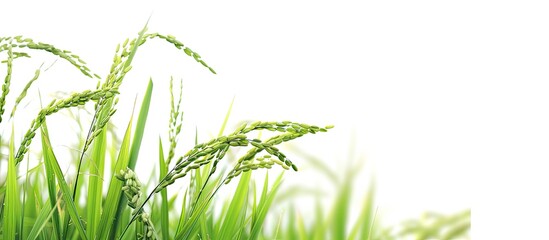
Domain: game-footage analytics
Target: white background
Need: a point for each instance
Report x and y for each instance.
(446, 101)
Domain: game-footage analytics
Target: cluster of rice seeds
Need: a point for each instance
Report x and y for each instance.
(7, 80)
(28, 43)
(195, 161)
(24, 92)
(176, 120)
(76, 99)
(98, 124)
(132, 191)
(246, 162)
(204, 153)
(122, 65)
(266, 161)
(179, 45)
(9, 44)
(119, 68)
(132, 186)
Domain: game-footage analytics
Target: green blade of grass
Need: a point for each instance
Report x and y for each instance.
(199, 207)
(164, 194)
(182, 215)
(201, 180)
(210, 225)
(202, 218)
(340, 211)
(226, 119)
(364, 225)
(95, 185)
(267, 197)
(49, 158)
(219, 220)
(114, 191)
(234, 219)
(137, 44)
(291, 230)
(204, 227)
(52, 191)
(12, 200)
(301, 229)
(29, 210)
(46, 213)
(318, 229)
(140, 127)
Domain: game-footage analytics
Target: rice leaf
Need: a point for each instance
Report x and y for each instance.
(201, 180)
(182, 214)
(49, 158)
(95, 183)
(364, 224)
(11, 219)
(140, 127)
(233, 224)
(301, 230)
(226, 119)
(318, 229)
(340, 210)
(198, 210)
(52, 191)
(29, 202)
(114, 192)
(267, 197)
(46, 213)
(164, 194)
(291, 231)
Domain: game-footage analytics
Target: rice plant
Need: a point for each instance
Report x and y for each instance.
(106, 199)
(110, 203)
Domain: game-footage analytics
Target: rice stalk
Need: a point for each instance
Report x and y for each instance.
(179, 45)
(23, 93)
(76, 99)
(176, 120)
(59, 216)
(202, 154)
(7, 43)
(7, 81)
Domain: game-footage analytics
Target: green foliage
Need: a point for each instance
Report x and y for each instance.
(51, 161)
(12, 198)
(105, 198)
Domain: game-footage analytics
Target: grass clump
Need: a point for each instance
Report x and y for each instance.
(105, 199)
(114, 206)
